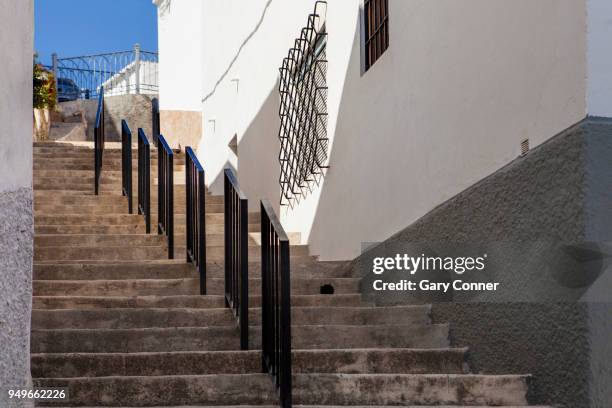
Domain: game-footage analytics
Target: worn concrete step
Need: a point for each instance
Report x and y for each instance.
(350, 361)
(310, 389)
(175, 269)
(336, 406)
(65, 197)
(110, 160)
(134, 228)
(127, 219)
(181, 301)
(84, 240)
(188, 286)
(403, 389)
(107, 253)
(117, 208)
(132, 318)
(227, 389)
(104, 188)
(227, 338)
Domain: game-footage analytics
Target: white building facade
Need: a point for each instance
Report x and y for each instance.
(461, 88)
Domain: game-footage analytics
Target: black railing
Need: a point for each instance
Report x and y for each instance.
(126, 163)
(236, 254)
(165, 193)
(275, 303)
(155, 120)
(196, 215)
(144, 178)
(99, 137)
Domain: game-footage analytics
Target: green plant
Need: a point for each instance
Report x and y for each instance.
(45, 93)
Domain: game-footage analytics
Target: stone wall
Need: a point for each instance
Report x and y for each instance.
(135, 109)
(559, 192)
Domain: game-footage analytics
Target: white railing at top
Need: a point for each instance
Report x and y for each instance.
(120, 73)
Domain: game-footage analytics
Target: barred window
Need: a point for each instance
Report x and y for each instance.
(376, 24)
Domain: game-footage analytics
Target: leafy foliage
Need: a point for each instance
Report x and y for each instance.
(45, 93)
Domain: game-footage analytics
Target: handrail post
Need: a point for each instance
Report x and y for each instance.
(244, 275)
(137, 67)
(276, 303)
(144, 179)
(165, 193)
(126, 163)
(236, 224)
(99, 137)
(155, 124)
(195, 215)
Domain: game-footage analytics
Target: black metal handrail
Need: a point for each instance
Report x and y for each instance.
(275, 303)
(155, 127)
(99, 136)
(144, 178)
(236, 254)
(165, 193)
(126, 163)
(196, 215)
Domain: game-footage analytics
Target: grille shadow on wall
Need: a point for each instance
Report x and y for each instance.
(303, 111)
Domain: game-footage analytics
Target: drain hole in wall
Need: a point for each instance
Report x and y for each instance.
(524, 147)
(327, 290)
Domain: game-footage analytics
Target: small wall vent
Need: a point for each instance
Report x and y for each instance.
(524, 147)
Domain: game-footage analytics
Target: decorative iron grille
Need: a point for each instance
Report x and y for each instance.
(120, 73)
(303, 110)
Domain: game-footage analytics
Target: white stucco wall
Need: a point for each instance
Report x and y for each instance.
(600, 57)
(462, 84)
(124, 82)
(16, 52)
(180, 63)
(16, 219)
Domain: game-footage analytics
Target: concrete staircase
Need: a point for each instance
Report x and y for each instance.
(121, 325)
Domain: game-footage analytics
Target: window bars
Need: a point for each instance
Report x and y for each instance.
(196, 215)
(126, 163)
(99, 137)
(376, 24)
(276, 303)
(237, 254)
(144, 179)
(303, 110)
(165, 193)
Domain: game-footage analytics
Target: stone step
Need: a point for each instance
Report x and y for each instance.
(135, 228)
(225, 389)
(127, 219)
(213, 241)
(108, 253)
(355, 361)
(132, 318)
(173, 270)
(417, 389)
(67, 198)
(107, 174)
(161, 287)
(335, 406)
(111, 209)
(81, 240)
(104, 188)
(308, 389)
(181, 301)
(227, 338)
(110, 160)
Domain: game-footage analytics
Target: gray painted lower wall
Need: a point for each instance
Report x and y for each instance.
(559, 192)
(16, 237)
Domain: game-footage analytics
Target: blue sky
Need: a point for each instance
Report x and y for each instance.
(82, 27)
